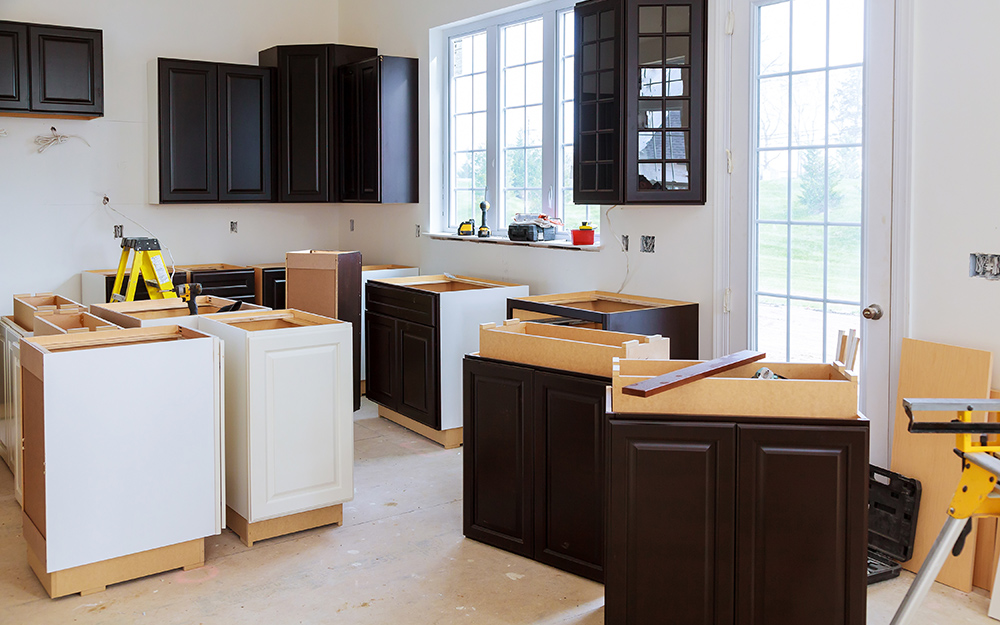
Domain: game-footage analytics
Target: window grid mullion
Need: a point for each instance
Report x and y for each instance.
(493, 165)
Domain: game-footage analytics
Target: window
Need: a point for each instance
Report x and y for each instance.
(510, 118)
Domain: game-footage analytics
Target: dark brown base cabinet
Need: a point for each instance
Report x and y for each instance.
(713, 521)
(534, 476)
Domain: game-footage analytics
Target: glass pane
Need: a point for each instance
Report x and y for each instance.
(807, 250)
(533, 41)
(772, 258)
(650, 19)
(677, 81)
(808, 34)
(479, 170)
(573, 214)
(479, 53)
(589, 87)
(650, 82)
(772, 327)
(847, 32)
(567, 122)
(588, 177)
(461, 64)
(607, 55)
(465, 206)
(479, 131)
(675, 176)
(588, 148)
(463, 132)
(567, 168)
(607, 84)
(606, 147)
(650, 50)
(514, 134)
(677, 50)
(809, 108)
(514, 44)
(650, 146)
(605, 174)
(840, 317)
(808, 185)
(463, 94)
(678, 20)
(463, 170)
(844, 265)
(590, 57)
(675, 147)
(845, 185)
(514, 202)
(773, 38)
(532, 202)
(479, 92)
(845, 105)
(514, 86)
(607, 115)
(568, 77)
(533, 84)
(590, 28)
(650, 176)
(533, 126)
(806, 322)
(772, 129)
(772, 185)
(566, 32)
(650, 114)
(515, 169)
(677, 114)
(607, 24)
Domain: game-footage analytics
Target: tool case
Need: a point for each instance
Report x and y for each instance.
(530, 232)
(893, 502)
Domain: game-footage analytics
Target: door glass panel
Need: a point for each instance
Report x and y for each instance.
(650, 114)
(650, 20)
(678, 19)
(677, 49)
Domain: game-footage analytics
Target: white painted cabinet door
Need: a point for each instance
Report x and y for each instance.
(6, 413)
(301, 423)
(13, 421)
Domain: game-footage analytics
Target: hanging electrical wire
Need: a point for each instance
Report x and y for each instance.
(46, 142)
(621, 243)
(173, 263)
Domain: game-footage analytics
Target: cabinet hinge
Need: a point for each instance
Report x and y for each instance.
(730, 23)
(729, 161)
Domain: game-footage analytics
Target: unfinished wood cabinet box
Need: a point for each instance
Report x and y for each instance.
(289, 420)
(378, 272)
(26, 305)
(617, 312)
(11, 334)
(811, 390)
(49, 322)
(162, 312)
(112, 492)
(581, 350)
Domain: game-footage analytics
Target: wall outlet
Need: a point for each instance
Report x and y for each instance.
(624, 242)
(119, 231)
(233, 227)
(984, 266)
(647, 243)
(352, 225)
(418, 231)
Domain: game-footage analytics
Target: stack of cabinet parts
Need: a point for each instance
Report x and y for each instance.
(164, 312)
(328, 284)
(617, 312)
(377, 272)
(49, 322)
(119, 487)
(219, 279)
(289, 423)
(737, 500)
(418, 329)
(269, 285)
(535, 428)
(25, 307)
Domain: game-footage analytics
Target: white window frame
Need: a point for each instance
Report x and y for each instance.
(551, 141)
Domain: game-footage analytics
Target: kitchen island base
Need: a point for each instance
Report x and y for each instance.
(250, 533)
(449, 439)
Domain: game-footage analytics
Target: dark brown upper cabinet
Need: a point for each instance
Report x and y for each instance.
(213, 124)
(307, 130)
(378, 131)
(51, 71)
(640, 102)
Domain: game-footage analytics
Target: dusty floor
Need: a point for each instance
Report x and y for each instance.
(399, 558)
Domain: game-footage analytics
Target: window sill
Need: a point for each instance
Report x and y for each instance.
(555, 245)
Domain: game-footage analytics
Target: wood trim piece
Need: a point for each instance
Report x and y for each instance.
(250, 533)
(674, 379)
(442, 279)
(567, 299)
(449, 439)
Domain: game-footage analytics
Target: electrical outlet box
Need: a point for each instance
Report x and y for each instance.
(352, 225)
(233, 227)
(647, 243)
(624, 242)
(119, 231)
(984, 266)
(418, 230)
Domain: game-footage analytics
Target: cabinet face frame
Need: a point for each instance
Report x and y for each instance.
(14, 38)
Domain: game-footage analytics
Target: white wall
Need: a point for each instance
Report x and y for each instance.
(956, 170)
(54, 224)
(681, 268)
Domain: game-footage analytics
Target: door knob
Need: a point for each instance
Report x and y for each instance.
(872, 311)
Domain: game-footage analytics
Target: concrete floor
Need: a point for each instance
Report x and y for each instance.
(399, 558)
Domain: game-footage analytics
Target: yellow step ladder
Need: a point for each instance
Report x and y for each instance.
(147, 266)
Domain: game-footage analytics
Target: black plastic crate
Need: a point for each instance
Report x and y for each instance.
(893, 502)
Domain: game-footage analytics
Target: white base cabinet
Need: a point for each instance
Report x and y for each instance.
(10, 417)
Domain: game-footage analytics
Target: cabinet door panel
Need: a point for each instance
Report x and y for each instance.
(569, 480)
(273, 288)
(381, 381)
(67, 70)
(418, 377)
(244, 133)
(13, 66)
(349, 107)
(304, 93)
(671, 523)
(498, 455)
(369, 148)
(188, 129)
(6, 409)
(803, 519)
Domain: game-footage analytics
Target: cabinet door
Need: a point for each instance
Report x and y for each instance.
(418, 372)
(67, 70)
(671, 523)
(597, 148)
(381, 379)
(15, 452)
(6, 414)
(301, 424)
(303, 122)
(803, 525)
(189, 131)
(349, 122)
(497, 435)
(340, 55)
(13, 66)
(273, 288)
(570, 479)
(398, 153)
(244, 133)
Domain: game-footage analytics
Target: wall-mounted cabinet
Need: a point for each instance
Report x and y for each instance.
(640, 104)
(378, 131)
(51, 71)
(210, 128)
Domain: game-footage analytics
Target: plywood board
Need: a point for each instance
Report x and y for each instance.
(935, 370)
(250, 533)
(586, 299)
